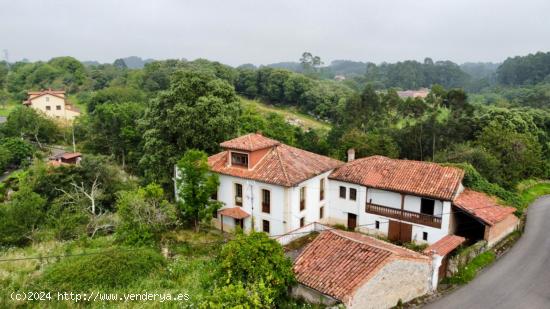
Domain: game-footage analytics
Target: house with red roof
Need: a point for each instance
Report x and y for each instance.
(52, 103)
(359, 271)
(281, 188)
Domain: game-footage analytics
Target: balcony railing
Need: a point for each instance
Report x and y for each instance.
(404, 215)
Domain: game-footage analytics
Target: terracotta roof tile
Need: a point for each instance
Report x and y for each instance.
(445, 245)
(234, 212)
(336, 263)
(250, 142)
(406, 176)
(70, 155)
(282, 165)
(482, 206)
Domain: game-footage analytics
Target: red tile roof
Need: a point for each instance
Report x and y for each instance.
(250, 142)
(482, 206)
(234, 212)
(445, 245)
(336, 263)
(71, 155)
(282, 165)
(35, 94)
(406, 176)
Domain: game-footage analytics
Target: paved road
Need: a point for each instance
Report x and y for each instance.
(520, 279)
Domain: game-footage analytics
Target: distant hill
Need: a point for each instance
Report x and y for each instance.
(134, 62)
(289, 65)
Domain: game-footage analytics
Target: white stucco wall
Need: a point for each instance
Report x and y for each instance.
(339, 209)
(252, 203)
(313, 201)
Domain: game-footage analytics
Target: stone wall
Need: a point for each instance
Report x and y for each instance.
(465, 257)
(400, 280)
(312, 296)
(497, 232)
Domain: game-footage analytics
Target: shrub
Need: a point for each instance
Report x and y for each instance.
(469, 272)
(113, 269)
(20, 217)
(144, 214)
(239, 296)
(254, 258)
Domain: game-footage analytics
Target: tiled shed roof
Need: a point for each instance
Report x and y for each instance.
(336, 263)
(406, 176)
(282, 165)
(250, 142)
(234, 212)
(482, 206)
(445, 245)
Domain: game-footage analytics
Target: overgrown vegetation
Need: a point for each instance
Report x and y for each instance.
(469, 272)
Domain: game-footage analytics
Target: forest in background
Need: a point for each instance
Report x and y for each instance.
(139, 120)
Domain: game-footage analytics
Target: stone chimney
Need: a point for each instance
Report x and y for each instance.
(351, 154)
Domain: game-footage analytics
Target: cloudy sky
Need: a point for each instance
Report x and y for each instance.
(267, 31)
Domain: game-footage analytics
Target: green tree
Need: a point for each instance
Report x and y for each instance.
(199, 111)
(21, 217)
(239, 296)
(27, 123)
(144, 214)
(255, 258)
(195, 186)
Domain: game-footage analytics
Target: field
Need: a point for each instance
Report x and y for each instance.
(186, 271)
(6, 109)
(292, 115)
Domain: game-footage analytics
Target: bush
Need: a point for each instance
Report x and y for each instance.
(240, 296)
(144, 214)
(113, 269)
(20, 218)
(254, 258)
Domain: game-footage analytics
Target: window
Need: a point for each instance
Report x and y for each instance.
(48, 108)
(427, 206)
(58, 107)
(352, 194)
(266, 201)
(47, 99)
(240, 159)
(377, 224)
(238, 194)
(214, 196)
(425, 236)
(322, 189)
(302, 198)
(302, 221)
(321, 212)
(265, 226)
(342, 192)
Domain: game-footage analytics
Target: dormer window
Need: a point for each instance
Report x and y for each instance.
(239, 159)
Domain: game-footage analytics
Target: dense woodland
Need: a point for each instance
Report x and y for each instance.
(492, 120)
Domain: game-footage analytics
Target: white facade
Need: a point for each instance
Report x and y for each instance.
(53, 106)
(285, 214)
(367, 222)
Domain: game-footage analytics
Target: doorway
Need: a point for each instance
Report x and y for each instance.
(399, 231)
(352, 221)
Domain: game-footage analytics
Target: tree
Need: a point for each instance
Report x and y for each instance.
(21, 217)
(120, 63)
(199, 111)
(27, 123)
(309, 62)
(195, 186)
(255, 258)
(144, 214)
(240, 296)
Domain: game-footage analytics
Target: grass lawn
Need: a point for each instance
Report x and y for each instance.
(531, 191)
(291, 114)
(5, 110)
(187, 271)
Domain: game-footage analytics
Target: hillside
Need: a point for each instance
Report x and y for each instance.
(292, 115)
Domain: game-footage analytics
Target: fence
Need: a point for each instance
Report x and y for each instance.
(301, 232)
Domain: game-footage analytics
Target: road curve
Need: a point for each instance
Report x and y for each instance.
(520, 279)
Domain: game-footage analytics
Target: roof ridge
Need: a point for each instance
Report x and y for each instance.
(282, 165)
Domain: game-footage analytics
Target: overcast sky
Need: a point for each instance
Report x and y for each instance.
(267, 31)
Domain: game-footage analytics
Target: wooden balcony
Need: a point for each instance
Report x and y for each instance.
(404, 215)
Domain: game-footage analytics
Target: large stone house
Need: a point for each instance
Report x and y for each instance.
(52, 103)
(282, 188)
